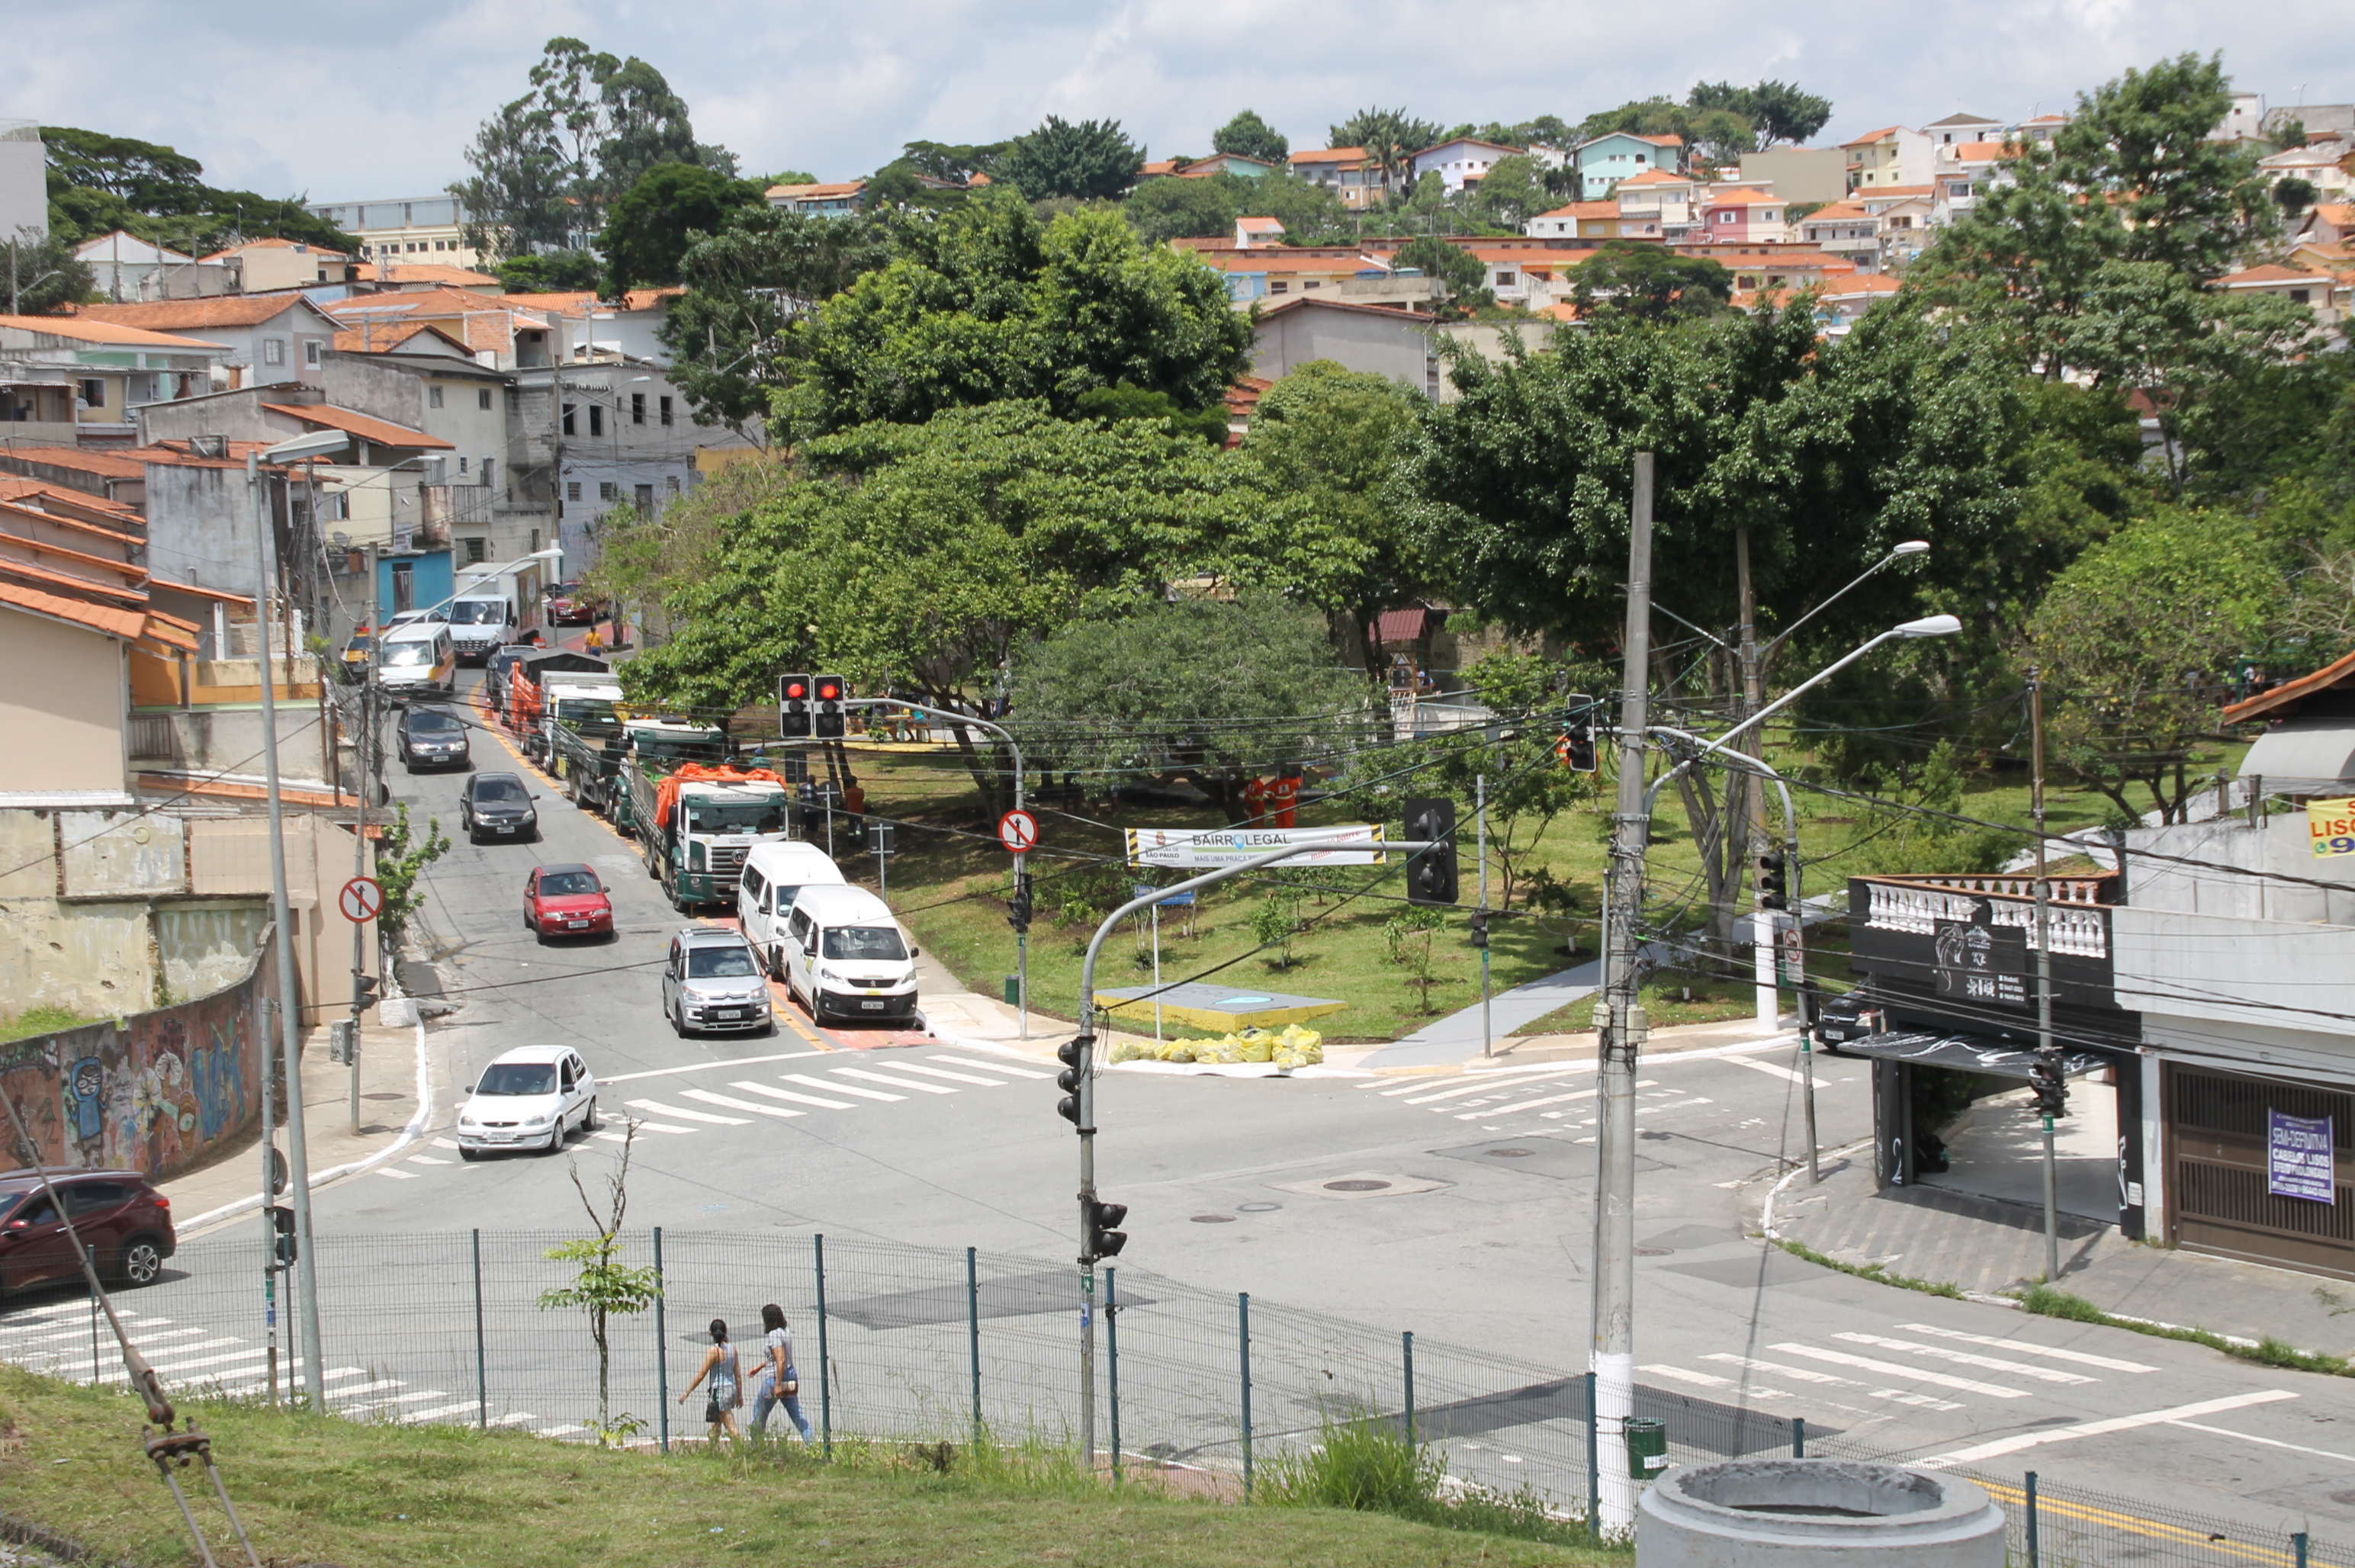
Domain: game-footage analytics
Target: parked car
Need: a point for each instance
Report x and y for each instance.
(359, 652)
(774, 875)
(497, 806)
(569, 604)
(429, 737)
(120, 1216)
(566, 900)
(530, 1097)
(713, 982)
(418, 660)
(846, 957)
(1849, 1017)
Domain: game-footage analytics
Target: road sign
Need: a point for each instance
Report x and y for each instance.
(362, 900)
(1018, 831)
(1355, 844)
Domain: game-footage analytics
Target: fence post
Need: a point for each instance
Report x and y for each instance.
(2297, 1546)
(662, 1348)
(1798, 1437)
(1111, 1352)
(481, 1356)
(824, 1363)
(1407, 1339)
(1242, 1323)
(1593, 1473)
(2032, 1556)
(93, 1339)
(973, 1331)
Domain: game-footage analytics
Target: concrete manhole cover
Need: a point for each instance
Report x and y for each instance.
(1256, 1207)
(1214, 1219)
(1363, 1186)
(1356, 1186)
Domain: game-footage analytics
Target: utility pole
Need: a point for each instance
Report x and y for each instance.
(289, 1014)
(1621, 1027)
(2047, 1055)
(268, 1199)
(363, 779)
(1749, 802)
(1480, 811)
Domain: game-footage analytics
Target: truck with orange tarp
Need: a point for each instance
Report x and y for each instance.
(697, 821)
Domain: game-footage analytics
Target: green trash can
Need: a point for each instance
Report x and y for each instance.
(1014, 990)
(1647, 1446)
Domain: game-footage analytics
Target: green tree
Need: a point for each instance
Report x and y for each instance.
(670, 208)
(1391, 137)
(552, 272)
(2294, 196)
(1128, 694)
(2137, 641)
(1161, 210)
(954, 162)
(1650, 282)
(149, 177)
(604, 1286)
(1464, 274)
(1776, 111)
(517, 199)
(1527, 786)
(1127, 403)
(1248, 137)
(98, 183)
(44, 275)
(1512, 192)
(987, 302)
(400, 859)
(1092, 161)
(1311, 214)
(1545, 131)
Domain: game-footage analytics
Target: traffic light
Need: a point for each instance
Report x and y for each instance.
(364, 989)
(1576, 747)
(1017, 908)
(1773, 888)
(281, 1232)
(2050, 1084)
(793, 707)
(830, 693)
(1104, 1238)
(1073, 1054)
(1431, 874)
(1480, 928)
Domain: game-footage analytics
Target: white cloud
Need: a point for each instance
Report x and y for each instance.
(278, 96)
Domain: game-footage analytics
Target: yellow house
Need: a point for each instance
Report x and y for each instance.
(261, 266)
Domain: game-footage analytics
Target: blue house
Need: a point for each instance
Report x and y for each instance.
(1607, 159)
(412, 579)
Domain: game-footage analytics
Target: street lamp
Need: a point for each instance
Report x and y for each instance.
(1897, 552)
(1927, 626)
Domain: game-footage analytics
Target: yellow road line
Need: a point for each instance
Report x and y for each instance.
(2132, 1524)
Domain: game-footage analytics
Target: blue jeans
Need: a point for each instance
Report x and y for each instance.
(767, 1399)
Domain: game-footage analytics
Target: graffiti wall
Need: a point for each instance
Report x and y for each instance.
(161, 1092)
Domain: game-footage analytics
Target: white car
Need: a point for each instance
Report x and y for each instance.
(531, 1097)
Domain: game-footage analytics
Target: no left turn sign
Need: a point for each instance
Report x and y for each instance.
(1018, 831)
(362, 900)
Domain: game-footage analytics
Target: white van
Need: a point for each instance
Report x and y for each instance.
(418, 658)
(847, 957)
(774, 875)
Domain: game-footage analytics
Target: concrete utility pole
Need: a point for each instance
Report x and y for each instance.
(1621, 1027)
(1749, 802)
(2045, 1053)
(363, 779)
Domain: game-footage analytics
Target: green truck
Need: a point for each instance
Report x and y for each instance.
(592, 754)
(695, 849)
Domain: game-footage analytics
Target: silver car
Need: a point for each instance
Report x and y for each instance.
(713, 982)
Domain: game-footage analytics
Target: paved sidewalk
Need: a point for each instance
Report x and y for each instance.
(389, 1122)
(1457, 1037)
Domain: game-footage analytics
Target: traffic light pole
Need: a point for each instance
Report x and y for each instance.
(2046, 1054)
(1077, 1081)
(364, 777)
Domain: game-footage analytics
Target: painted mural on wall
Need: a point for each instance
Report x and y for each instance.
(163, 1093)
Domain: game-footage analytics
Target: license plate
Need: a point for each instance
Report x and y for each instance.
(578, 925)
(727, 1013)
(873, 1007)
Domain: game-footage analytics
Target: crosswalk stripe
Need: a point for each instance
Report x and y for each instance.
(513, 1418)
(861, 1073)
(1527, 1105)
(1892, 1369)
(751, 1088)
(1503, 1090)
(445, 1143)
(181, 1368)
(2108, 1363)
(644, 1126)
(397, 1175)
(368, 1388)
(436, 1414)
(1966, 1358)
(951, 1077)
(990, 1066)
(838, 1088)
(401, 1399)
(425, 1159)
(1674, 1105)
(709, 1098)
(685, 1115)
(1805, 1375)
(1772, 1069)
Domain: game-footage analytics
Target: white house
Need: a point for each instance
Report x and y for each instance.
(125, 267)
(1462, 163)
(270, 338)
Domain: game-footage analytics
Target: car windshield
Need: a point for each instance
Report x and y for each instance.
(746, 816)
(873, 943)
(500, 789)
(478, 612)
(719, 963)
(427, 722)
(567, 884)
(407, 656)
(517, 1078)
(8, 1201)
(360, 645)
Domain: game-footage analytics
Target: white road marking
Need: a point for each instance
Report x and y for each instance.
(400, 1399)
(685, 1115)
(938, 1073)
(82, 1333)
(1709, 1380)
(439, 1412)
(513, 1418)
(828, 1084)
(2268, 1442)
(1531, 1104)
(180, 1369)
(989, 1067)
(445, 1143)
(1902, 1374)
(2108, 1363)
(425, 1159)
(1772, 1069)
(1965, 1359)
(707, 1066)
(397, 1175)
(369, 1387)
(709, 1098)
(751, 1088)
(2174, 1414)
(1502, 1091)
(1805, 1375)
(861, 1073)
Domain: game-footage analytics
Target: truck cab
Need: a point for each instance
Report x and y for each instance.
(696, 830)
(481, 624)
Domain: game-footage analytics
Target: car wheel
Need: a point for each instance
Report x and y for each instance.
(555, 1137)
(468, 1155)
(589, 1124)
(140, 1262)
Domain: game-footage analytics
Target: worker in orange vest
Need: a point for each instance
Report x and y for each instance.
(1283, 794)
(1255, 803)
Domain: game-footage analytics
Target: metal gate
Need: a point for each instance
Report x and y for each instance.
(2221, 1199)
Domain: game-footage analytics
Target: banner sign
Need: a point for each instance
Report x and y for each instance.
(2298, 1159)
(1355, 844)
(1983, 964)
(2330, 825)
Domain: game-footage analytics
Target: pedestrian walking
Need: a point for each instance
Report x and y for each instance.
(726, 1385)
(1255, 802)
(780, 1383)
(593, 643)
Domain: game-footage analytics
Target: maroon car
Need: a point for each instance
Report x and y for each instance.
(119, 1215)
(569, 604)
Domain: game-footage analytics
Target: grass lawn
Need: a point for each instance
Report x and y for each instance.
(950, 881)
(327, 1491)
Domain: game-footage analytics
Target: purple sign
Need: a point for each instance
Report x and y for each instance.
(2298, 1159)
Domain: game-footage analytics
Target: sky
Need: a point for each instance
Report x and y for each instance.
(336, 104)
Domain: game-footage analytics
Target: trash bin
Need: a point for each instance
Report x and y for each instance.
(1014, 990)
(1647, 1446)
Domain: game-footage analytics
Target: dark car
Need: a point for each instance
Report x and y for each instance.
(1849, 1017)
(497, 806)
(429, 737)
(120, 1216)
(567, 899)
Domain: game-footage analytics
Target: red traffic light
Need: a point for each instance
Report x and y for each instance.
(795, 690)
(829, 691)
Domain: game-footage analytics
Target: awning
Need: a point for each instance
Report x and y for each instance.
(1401, 626)
(1967, 1052)
(2304, 756)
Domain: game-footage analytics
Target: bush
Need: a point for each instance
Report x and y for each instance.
(1370, 1466)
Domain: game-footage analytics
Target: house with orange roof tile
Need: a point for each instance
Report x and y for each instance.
(512, 329)
(1594, 220)
(839, 199)
(2038, 129)
(1962, 127)
(1603, 161)
(1889, 155)
(2323, 163)
(388, 274)
(1664, 198)
(2325, 295)
(268, 338)
(2330, 223)
(1741, 215)
(1347, 172)
(1847, 229)
(72, 379)
(261, 266)
(124, 267)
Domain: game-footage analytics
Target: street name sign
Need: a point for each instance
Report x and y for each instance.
(1351, 844)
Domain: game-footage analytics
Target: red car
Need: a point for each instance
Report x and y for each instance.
(566, 900)
(569, 604)
(120, 1217)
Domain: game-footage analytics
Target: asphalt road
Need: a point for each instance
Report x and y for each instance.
(1479, 1236)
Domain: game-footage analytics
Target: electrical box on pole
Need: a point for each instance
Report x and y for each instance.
(1431, 874)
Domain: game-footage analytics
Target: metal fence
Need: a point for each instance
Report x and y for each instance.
(902, 1343)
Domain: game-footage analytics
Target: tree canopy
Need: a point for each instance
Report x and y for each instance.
(1248, 137)
(1776, 111)
(652, 223)
(1650, 282)
(1091, 161)
(99, 183)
